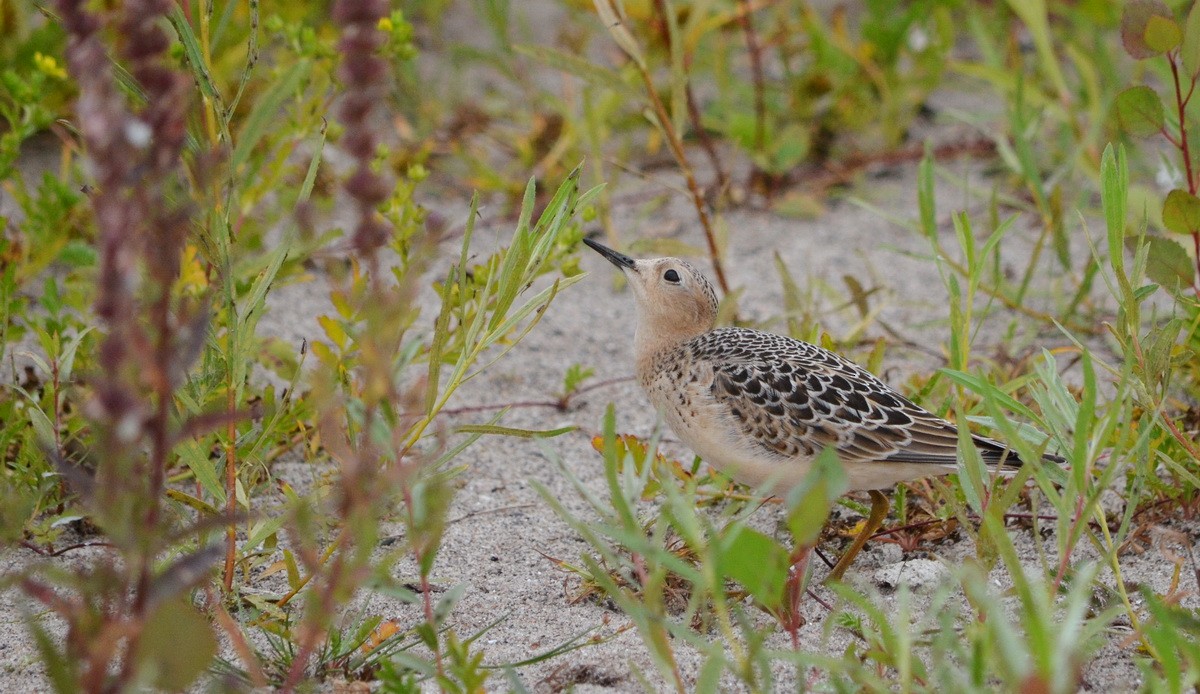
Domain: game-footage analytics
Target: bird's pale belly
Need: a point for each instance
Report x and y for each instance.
(715, 439)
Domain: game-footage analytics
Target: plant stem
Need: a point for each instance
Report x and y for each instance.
(664, 120)
(706, 142)
(230, 490)
(1181, 101)
(1180, 104)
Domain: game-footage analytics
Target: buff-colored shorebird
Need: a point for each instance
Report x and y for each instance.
(760, 407)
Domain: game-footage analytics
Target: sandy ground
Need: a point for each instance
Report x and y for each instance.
(502, 531)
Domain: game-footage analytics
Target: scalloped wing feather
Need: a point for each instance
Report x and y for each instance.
(794, 399)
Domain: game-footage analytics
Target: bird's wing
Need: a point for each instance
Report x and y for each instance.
(796, 399)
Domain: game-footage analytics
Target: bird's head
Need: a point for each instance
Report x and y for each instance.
(674, 301)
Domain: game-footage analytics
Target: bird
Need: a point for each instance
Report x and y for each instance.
(761, 406)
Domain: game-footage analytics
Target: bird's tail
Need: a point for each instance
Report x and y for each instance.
(997, 454)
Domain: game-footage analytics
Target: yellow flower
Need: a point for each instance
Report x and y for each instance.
(385, 24)
(49, 66)
(193, 279)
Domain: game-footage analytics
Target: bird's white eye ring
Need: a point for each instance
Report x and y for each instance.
(671, 276)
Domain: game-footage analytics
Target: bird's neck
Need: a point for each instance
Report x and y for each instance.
(648, 343)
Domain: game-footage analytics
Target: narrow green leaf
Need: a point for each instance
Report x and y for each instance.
(262, 530)
(1114, 191)
(310, 176)
(191, 502)
(612, 15)
(191, 49)
(265, 115)
(204, 469)
(66, 360)
(971, 471)
(515, 258)
(578, 66)
(293, 571)
(508, 431)
(926, 201)
(985, 388)
(1036, 16)
(42, 426)
(251, 307)
(441, 331)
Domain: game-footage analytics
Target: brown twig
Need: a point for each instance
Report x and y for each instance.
(50, 552)
(681, 158)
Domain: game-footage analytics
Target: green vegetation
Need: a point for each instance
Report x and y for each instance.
(170, 170)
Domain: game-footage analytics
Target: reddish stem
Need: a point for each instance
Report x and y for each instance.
(1180, 103)
(1167, 136)
(1196, 243)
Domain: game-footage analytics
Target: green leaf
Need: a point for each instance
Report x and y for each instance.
(972, 473)
(612, 15)
(1114, 195)
(810, 501)
(1167, 263)
(195, 56)
(756, 561)
(265, 116)
(77, 254)
(508, 431)
(58, 666)
(205, 470)
(1181, 212)
(1190, 52)
(1140, 112)
(192, 502)
(580, 67)
(1136, 21)
(42, 426)
(263, 529)
(176, 645)
(1162, 33)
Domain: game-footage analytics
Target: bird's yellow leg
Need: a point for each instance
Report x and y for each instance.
(879, 511)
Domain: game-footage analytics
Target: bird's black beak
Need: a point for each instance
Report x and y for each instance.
(619, 259)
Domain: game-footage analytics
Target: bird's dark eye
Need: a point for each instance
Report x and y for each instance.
(671, 276)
